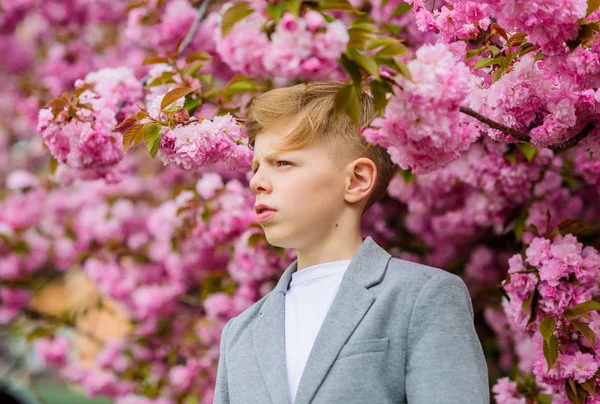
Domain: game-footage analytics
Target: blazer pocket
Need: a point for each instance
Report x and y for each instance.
(364, 346)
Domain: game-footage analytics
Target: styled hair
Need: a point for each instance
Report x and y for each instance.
(314, 105)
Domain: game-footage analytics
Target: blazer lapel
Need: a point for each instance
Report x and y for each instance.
(349, 306)
(269, 339)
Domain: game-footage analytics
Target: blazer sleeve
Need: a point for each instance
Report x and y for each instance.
(445, 363)
(221, 388)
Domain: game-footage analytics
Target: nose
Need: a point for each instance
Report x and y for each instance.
(258, 183)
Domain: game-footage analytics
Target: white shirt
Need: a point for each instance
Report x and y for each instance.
(307, 301)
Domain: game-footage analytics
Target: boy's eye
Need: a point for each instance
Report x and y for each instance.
(280, 161)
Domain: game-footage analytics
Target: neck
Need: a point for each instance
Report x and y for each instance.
(336, 248)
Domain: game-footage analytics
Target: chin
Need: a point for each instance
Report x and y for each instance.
(277, 241)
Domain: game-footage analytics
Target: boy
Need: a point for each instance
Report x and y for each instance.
(346, 323)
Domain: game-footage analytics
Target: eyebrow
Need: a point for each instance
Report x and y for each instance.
(269, 156)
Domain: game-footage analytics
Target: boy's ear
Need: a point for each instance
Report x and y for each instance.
(360, 180)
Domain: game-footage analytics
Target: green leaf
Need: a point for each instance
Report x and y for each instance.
(39, 332)
(571, 391)
(520, 224)
(234, 14)
(276, 10)
(191, 400)
(473, 53)
(588, 305)
(190, 103)
(592, 6)
(346, 101)
(590, 387)
(200, 55)
(240, 84)
(194, 68)
(543, 399)
(126, 121)
(407, 175)
(547, 327)
(154, 59)
(586, 33)
(380, 89)
(338, 5)
(393, 29)
(402, 68)
(365, 27)
(352, 68)
(485, 62)
(365, 62)
(293, 6)
(358, 38)
(586, 331)
(497, 74)
(403, 8)
(529, 151)
(525, 49)
(131, 134)
(52, 165)
(551, 351)
(174, 95)
(152, 137)
(164, 78)
(381, 41)
(494, 50)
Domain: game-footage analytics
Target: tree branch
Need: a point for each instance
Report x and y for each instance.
(523, 137)
(567, 144)
(495, 125)
(194, 28)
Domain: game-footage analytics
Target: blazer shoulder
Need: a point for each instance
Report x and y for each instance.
(245, 319)
(404, 272)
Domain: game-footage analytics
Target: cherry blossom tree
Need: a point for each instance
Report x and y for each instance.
(124, 167)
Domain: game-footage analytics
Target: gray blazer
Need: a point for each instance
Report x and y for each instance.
(396, 332)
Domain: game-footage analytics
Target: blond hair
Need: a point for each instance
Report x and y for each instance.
(314, 103)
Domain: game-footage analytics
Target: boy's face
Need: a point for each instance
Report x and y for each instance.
(303, 186)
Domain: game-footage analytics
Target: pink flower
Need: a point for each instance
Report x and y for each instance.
(218, 305)
(12, 303)
(422, 127)
(538, 251)
(196, 145)
(208, 185)
(53, 352)
(580, 366)
(505, 392)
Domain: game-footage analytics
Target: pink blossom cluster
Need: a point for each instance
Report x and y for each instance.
(583, 64)
(456, 20)
(305, 47)
(116, 225)
(83, 136)
(505, 392)
(476, 192)
(254, 262)
(548, 23)
(555, 262)
(564, 273)
(152, 27)
(12, 303)
(422, 127)
(533, 99)
(197, 144)
(554, 197)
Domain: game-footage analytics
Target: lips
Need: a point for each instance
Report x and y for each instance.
(264, 212)
(262, 208)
